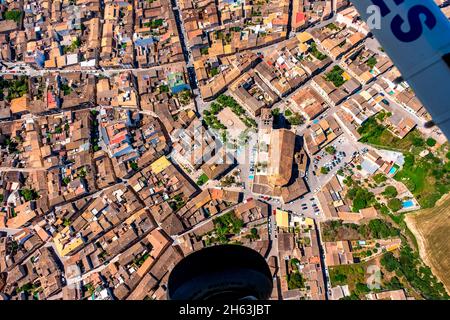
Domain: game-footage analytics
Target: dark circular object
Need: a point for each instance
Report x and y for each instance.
(429, 124)
(225, 272)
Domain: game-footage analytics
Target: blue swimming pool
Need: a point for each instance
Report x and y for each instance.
(408, 204)
(393, 170)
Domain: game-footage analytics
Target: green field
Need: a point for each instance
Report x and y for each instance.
(374, 133)
(427, 178)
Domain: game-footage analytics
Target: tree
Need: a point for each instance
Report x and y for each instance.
(134, 166)
(333, 27)
(295, 281)
(215, 108)
(394, 284)
(294, 262)
(296, 119)
(409, 160)
(372, 62)
(14, 15)
(288, 113)
(29, 194)
(214, 71)
(339, 278)
(316, 53)
(395, 204)
(431, 142)
(358, 204)
(163, 88)
(335, 76)
(361, 197)
(276, 112)
(156, 23)
(82, 172)
(324, 170)
(330, 149)
(362, 288)
(66, 89)
(204, 51)
(185, 97)
(390, 262)
(418, 142)
(202, 179)
(390, 192)
(253, 234)
(66, 181)
(380, 229)
(379, 178)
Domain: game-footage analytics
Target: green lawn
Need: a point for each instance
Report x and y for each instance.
(378, 135)
(202, 179)
(351, 274)
(427, 178)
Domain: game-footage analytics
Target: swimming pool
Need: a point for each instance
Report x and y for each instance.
(393, 170)
(408, 204)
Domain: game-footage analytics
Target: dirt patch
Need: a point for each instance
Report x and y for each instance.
(431, 227)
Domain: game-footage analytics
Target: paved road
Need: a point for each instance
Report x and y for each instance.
(27, 70)
(13, 169)
(10, 231)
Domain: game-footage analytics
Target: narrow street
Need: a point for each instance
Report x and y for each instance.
(187, 56)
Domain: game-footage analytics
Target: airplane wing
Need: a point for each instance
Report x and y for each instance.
(416, 36)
